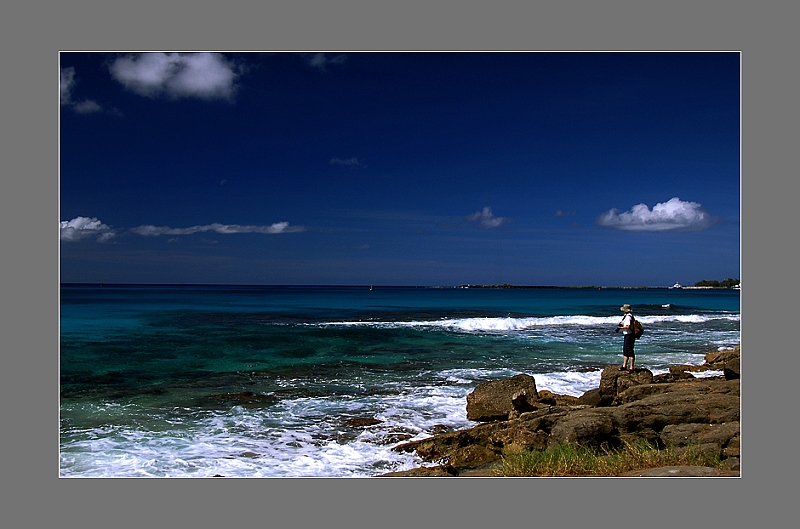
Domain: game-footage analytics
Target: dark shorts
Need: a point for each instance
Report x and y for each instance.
(627, 345)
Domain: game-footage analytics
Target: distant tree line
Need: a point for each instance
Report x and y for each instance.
(728, 283)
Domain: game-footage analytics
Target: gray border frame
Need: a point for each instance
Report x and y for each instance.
(763, 33)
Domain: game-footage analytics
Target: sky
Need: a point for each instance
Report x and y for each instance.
(419, 168)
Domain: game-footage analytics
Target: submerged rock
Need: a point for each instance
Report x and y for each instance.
(362, 422)
(246, 399)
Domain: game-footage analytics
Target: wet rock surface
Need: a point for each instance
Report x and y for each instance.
(678, 410)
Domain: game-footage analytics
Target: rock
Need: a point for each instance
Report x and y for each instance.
(732, 463)
(676, 410)
(530, 431)
(497, 399)
(471, 456)
(731, 369)
(718, 359)
(641, 391)
(726, 360)
(683, 368)
(550, 398)
(593, 397)
(440, 428)
(360, 422)
(588, 427)
(692, 405)
(392, 438)
(680, 472)
(437, 471)
(613, 382)
(672, 377)
(707, 437)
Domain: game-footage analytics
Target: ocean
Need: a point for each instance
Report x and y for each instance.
(315, 381)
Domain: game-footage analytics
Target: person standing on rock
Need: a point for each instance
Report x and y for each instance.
(626, 325)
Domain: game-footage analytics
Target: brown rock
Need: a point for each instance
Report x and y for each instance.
(713, 437)
(471, 456)
(425, 472)
(681, 471)
(497, 399)
(613, 382)
(588, 427)
(683, 368)
(658, 411)
(718, 359)
(731, 369)
(360, 422)
(672, 377)
(550, 398)
(641, 391)
(689, 413)
(593, 397)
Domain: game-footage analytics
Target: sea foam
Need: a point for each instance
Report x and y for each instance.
(518, 324)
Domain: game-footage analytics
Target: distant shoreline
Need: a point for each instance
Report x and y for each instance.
(597, 287)
(464, 286)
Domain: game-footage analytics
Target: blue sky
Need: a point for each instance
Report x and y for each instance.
(400, 168)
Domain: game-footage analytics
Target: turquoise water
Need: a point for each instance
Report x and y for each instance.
(261, 381)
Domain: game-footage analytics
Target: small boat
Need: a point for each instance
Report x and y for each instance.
(676, 285)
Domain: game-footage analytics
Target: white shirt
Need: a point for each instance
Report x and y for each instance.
(627, 320)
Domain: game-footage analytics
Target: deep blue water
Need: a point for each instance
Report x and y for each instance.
(261, 381)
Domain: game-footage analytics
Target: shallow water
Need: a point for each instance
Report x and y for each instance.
(261, 381)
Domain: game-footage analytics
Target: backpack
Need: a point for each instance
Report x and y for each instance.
(638, 330)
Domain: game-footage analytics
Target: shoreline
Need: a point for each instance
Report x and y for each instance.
(674, 410)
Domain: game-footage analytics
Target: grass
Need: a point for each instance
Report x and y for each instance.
(573, 460)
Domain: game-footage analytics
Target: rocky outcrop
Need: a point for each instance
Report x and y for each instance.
(677, 410)
(726, 361)
(502, 399)
(719, 359)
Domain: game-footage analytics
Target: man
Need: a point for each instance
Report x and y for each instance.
(628, 339)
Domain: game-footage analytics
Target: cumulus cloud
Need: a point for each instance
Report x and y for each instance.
(348, 162)
(321, 61)
(67, 87)
(176, 75)
(81, 228)
(673, 215)
(67, 84)
(486, 218)
(87, 107)
(224, 229)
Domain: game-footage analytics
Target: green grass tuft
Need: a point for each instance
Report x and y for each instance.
(573, 460)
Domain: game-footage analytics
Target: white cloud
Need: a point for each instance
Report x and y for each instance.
(486, 218)
(224, 229)
(673, 215)
(349, 162)
(67, 87)
(175, 75)
(87, 107)
(321, 61)
(84, 227)
(67, 84)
